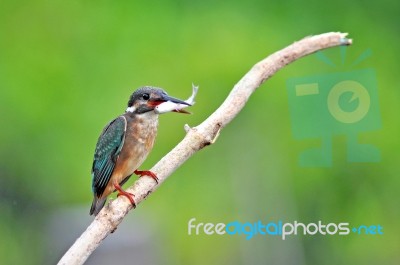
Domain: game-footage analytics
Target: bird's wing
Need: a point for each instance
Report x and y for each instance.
(108, 147)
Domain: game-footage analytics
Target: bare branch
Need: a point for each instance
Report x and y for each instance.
(196, 139)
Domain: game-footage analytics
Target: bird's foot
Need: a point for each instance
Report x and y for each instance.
(142, 173)
(126, 194)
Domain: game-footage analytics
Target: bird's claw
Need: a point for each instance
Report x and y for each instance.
(142, 173)
(128, 195)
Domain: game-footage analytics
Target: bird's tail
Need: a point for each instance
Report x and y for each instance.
(97, 205)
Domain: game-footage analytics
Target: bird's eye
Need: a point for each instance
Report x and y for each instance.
(145, 96)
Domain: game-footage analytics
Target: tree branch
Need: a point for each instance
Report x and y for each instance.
(196, 139)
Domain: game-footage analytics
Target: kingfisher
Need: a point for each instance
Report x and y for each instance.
(125, 143)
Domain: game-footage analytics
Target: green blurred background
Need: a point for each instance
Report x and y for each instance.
(68, 67)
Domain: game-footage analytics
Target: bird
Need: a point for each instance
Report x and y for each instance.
(124, 144)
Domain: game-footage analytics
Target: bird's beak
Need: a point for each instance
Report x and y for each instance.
(166, 98)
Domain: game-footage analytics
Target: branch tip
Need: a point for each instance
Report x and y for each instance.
(345, 41)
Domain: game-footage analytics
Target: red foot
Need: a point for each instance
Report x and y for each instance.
(142, 173)
(126, 194)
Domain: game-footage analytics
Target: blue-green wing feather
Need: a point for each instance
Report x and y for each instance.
(108, 147)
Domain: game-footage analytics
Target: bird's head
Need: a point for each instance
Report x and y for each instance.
(146, 98)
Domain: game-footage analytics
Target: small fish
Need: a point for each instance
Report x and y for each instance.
(177, 107)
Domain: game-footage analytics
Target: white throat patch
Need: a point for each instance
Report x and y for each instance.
(131, 109)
